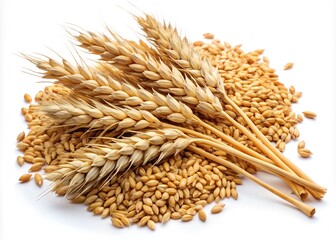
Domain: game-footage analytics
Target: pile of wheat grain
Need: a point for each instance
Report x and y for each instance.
(254, 86)
(153, 132)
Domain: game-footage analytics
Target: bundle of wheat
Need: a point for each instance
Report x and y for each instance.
(144, 105)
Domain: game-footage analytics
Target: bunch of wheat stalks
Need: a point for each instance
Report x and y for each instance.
(141, 105)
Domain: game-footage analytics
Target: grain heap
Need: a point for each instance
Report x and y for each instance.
(134, 137)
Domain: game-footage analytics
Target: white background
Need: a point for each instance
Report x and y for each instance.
(302, 32)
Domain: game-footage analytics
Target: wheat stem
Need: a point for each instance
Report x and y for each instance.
(262, 164)
(275, 151)
(306, 209)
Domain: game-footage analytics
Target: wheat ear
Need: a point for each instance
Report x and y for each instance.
(75, 112)
(97, 164)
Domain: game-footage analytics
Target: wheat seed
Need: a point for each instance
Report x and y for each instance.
(202, 216)
(301, 145)
(27, 98)
(187, 218)
(25, 177)
(117, 222)
(217, 208)
(151, 224)
(38, 179)
(208, 36)
(309, 114)
(20, 136)
(20, 160)
(36, 167)
(288, 66)
(305, 153)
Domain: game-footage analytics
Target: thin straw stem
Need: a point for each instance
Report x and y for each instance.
(237, 145)
(277, 161)
(265, 141)
(306, 209)
(248, 150)
(262, 164)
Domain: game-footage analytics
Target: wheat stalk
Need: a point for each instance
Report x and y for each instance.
(308, 210)
(158, 104)
(181, 53)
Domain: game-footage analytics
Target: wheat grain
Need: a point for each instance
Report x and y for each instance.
(309, 114)
(202, 216)
(38, 179)
(27, 98)
(25, 178)
(301, 145)
(117, 222)
(20, 160)
(151, 224)
(305, 153)
(187, 218)
(36, 167)
(208, 36)
(217, 208)
(288, 66)
(20, 136)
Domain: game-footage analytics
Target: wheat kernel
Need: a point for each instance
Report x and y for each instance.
(202, 216)
(208, 36)
(27, 98)
(305, 153)
(309, 114)
(25, 177)
(38, 179)
(217, 208)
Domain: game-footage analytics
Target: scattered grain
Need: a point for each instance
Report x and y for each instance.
(217, 208)
(309, 114)
(301, 145)
(305, 153)
(20, 160)
(38, 179)
(25, 177)
(27, 98)
(288, 66)
(202, 216)
(208, 35)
